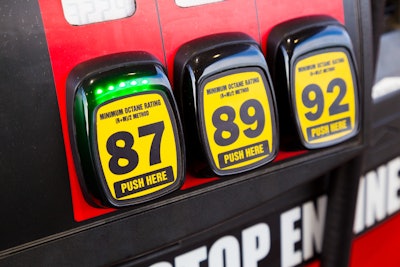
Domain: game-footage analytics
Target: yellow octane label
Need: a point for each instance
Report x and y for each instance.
(238, 120)
(325, 97)
(136, 145)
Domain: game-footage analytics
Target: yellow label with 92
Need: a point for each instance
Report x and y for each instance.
(136, 145)
(325, 98)
(238, 120)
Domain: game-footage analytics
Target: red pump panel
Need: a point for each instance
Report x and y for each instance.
(160, 28)
(70, 45)
(273, 12)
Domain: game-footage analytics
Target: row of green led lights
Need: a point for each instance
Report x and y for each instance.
(121, 85)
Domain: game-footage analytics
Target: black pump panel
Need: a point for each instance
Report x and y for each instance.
(227, 102)
(127, 137)
(315, 82)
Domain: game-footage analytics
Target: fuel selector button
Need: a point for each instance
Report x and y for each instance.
(125, 130)
(225, 95)
(315, 81)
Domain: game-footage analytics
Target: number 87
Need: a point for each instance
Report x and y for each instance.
(128, 153)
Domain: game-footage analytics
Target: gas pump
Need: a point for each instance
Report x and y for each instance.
(183, 133)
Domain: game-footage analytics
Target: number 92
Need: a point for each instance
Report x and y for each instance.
(313, 96)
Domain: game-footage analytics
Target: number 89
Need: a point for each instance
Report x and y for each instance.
(227, 131)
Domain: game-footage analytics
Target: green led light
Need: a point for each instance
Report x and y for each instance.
(113, 85)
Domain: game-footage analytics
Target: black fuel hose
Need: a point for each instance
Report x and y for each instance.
(342, 196)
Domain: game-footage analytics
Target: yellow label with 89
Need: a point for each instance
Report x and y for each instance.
(136, 145)
(325, 97)
(239, 124)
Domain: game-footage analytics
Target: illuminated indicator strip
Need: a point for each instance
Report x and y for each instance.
(237, 118)
(325, 97)
(123, 84)
(128, 145)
